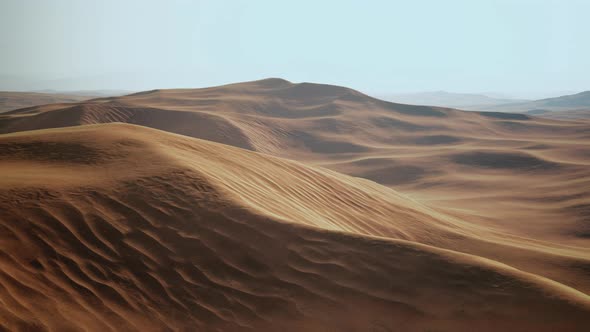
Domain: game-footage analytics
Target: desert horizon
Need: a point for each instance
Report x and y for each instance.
(233, 166)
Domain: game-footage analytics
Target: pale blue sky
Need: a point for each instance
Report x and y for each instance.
(513, 46)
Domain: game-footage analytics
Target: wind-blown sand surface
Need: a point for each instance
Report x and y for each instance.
(121, 227)
(520, 174)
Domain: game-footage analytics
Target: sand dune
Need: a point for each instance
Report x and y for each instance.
(11, 100)
(120, 227)
(521, 174)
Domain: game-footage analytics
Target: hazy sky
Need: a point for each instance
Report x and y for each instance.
(513, 46)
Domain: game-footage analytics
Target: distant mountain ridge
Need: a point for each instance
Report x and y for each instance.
(581, 99)
(467, 101)
(574, 106)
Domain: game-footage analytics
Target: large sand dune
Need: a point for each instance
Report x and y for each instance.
(119, 227)
(521, 174)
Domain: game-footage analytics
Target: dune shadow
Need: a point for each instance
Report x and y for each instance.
(503, 161)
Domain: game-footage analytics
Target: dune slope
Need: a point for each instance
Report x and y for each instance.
(119, 227)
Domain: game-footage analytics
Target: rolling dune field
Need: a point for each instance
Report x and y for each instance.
(516, 172)
(121, 227)
(274, 206)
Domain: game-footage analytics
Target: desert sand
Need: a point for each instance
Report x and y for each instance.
(11, 100)
(275, 206)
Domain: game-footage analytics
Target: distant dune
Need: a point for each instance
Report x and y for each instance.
(14, 100)
(90, 93)
(516, 172)
(121, 227)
